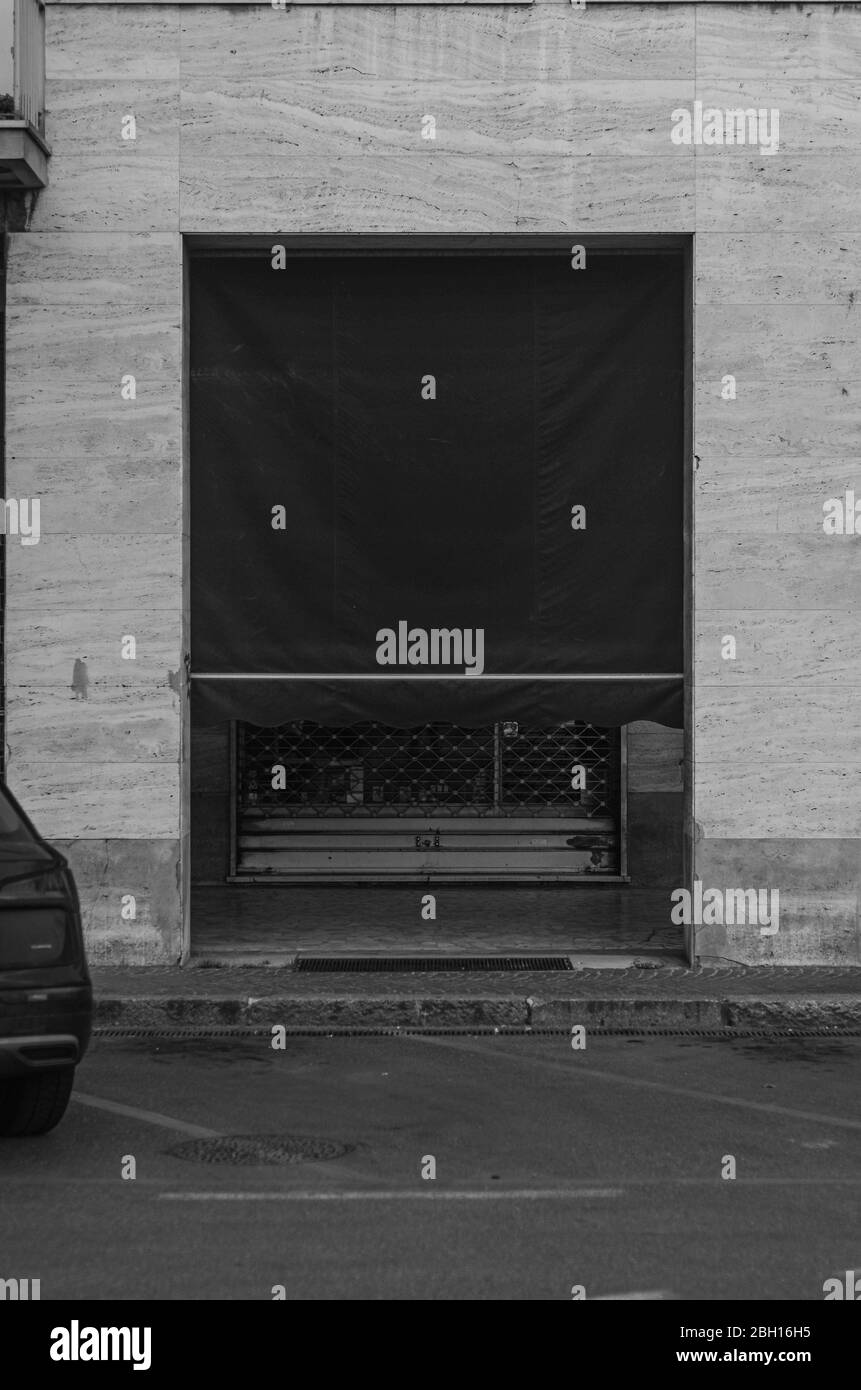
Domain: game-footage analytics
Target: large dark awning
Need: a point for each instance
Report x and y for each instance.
(426, 529)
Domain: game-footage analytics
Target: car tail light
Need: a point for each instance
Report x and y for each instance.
(35, 919)
(33, 936)
(47, 884)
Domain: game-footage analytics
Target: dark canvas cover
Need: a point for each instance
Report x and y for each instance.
(437, 511)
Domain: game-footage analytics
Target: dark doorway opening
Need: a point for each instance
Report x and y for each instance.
(327, 852)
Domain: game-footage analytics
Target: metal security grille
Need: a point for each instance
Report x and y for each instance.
(374, 803)
(368, 771)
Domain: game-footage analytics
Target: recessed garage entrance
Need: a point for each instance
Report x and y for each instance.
(437, 596)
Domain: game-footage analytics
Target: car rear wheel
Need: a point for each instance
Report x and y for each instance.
(34, 1104)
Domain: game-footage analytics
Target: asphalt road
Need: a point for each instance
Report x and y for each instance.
(555, 1168)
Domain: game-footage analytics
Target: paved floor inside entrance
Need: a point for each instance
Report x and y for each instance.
(231, 920)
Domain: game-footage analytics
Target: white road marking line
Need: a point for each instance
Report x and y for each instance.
(150, 1117)
(651, 1294)
(525, 1195)
(670, 1180)
(575, 1069)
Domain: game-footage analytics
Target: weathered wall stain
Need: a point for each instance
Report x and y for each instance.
(80, 679)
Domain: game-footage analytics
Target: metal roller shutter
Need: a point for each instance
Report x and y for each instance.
(370, 801)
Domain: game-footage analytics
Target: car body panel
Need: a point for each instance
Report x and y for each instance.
(45, 990)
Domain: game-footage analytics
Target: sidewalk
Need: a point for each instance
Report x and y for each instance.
(629, 998)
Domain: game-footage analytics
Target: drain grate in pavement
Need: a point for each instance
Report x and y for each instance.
(399, 964)
(244, 1149)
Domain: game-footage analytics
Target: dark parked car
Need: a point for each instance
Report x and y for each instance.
(46, 999)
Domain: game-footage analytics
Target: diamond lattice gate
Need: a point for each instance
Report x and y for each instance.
(372, 802)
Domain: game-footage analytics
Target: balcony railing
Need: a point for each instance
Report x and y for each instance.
(29, 63)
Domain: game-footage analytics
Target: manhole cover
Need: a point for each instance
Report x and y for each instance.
(258, 1148)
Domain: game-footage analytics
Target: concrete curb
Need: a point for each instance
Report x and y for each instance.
(831, 1010)
(340, 1012)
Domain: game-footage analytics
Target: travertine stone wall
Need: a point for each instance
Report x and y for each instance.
(778, 757)
(549, 118)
